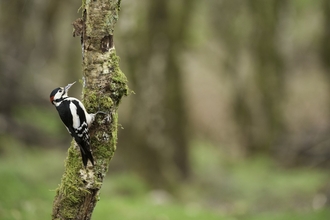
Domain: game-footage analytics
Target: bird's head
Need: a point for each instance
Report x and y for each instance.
(58, 94)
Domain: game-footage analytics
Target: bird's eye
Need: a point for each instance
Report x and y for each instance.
(60, 90)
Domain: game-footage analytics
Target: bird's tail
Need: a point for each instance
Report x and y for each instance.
(86, 154)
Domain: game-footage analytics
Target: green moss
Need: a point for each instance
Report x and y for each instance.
(73, 188)
(118, 5)
(118, 83)
(83, 4)
(96, 102)
(117, 74)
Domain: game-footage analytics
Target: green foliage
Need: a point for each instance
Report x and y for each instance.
(143, 208)
(28, 181)
(317, 215)
(223, 189)
(253, 186)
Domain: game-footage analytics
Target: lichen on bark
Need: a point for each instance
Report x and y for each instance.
(104, 84)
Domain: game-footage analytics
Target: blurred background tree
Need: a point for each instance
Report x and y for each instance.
(257, 132)
(160, 151)
(215, 86)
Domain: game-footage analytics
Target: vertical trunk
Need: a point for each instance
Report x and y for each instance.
(174, 97)
(268, 77)
(104, 85)
(159, 131)
(324, 42)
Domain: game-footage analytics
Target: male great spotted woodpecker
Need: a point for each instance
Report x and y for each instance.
(76, 119)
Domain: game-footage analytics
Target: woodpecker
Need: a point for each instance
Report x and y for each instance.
(75, 118)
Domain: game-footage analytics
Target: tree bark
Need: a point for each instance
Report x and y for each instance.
(103, 87)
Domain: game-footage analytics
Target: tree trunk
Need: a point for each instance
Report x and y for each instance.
(324, 41)
(104, 85)
(160, 154)
(268, 76)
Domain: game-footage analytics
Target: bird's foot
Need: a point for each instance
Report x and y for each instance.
(101, 112)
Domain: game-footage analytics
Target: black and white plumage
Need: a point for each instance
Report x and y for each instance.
(76, 119)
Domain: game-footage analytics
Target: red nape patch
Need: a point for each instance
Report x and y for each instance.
(51, 99)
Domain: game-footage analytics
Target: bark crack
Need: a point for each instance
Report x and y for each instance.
(106, 43)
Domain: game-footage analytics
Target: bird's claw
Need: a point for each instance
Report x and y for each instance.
(101, 112)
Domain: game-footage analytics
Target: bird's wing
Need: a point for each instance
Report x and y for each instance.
(74, 119)
(80, 125)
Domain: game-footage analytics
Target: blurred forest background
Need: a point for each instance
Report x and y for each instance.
(229, 118)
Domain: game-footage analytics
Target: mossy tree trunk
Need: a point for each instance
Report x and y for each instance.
(104, 85)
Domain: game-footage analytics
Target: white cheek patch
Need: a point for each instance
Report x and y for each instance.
(75, 116)
(58, 95)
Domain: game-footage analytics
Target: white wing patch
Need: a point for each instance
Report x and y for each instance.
(89, 120)
(75, 116)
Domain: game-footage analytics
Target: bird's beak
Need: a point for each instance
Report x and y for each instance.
(68, 87)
